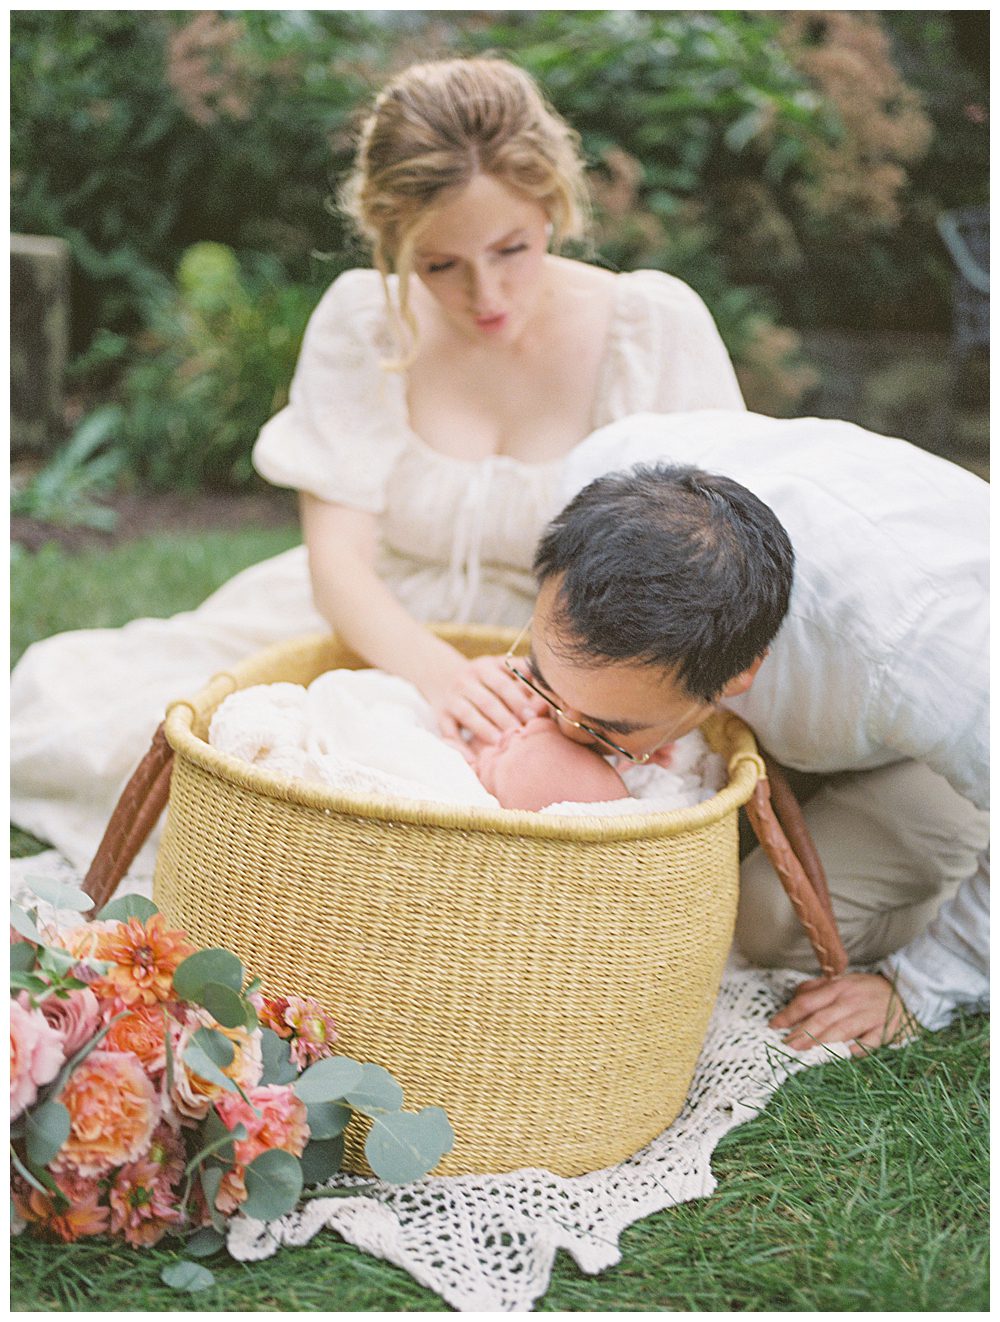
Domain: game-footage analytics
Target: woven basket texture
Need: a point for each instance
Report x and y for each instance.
(548, 980)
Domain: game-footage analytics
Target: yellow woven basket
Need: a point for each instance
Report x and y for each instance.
(547, 980)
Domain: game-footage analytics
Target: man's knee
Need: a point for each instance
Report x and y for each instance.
(768, 931)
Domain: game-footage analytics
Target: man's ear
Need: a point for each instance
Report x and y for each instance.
(741, 683)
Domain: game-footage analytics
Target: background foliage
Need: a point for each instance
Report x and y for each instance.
(789, 165)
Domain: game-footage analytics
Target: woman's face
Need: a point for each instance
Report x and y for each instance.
(481, 257)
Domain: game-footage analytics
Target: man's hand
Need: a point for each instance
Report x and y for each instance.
(860, 1008)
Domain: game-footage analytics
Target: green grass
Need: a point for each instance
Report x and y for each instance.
(862, 1187)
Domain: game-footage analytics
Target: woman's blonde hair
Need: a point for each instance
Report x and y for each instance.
(431, 130)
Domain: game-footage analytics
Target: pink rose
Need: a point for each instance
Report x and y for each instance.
(113, 1109)
(36, 1053)
(76, 1018)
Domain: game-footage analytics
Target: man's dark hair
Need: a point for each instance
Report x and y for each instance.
(669, 567)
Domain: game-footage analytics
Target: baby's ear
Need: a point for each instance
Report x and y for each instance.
(741, 683)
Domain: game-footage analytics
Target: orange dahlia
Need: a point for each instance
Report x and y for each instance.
(143, 959)
(69, 1215)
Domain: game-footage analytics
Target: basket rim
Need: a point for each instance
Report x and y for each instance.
(744, 765)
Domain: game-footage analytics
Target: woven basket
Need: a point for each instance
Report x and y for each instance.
(547, 980)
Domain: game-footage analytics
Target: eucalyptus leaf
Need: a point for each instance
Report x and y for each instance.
(274, 1183)
(203, 1243)
(276, 1054)
(321, 1159)
(22, 956)
(188, 1276)
(226, 1006)
(211, 1178)
(218, 1141)
(55, 961)
(215, 1045)
(128, 906)
(328, 1119)
(405, 1146)
(22, 922)
(377, 1092)
(206, 1068)
(47, 1129)
(59, 894)
(210, 965)
(28, 982)
(330, 1080)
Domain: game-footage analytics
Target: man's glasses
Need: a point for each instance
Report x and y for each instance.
(510, 662)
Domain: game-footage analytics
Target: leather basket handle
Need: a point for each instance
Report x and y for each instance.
(778, 823)
(142, 801)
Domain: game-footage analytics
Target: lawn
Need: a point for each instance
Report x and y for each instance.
(862, 1187)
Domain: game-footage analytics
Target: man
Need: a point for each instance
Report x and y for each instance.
(665, 591)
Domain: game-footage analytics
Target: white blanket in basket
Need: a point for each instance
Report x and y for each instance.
(366, 732)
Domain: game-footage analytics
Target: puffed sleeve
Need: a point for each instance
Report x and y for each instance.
(345, 423)
(665, 352)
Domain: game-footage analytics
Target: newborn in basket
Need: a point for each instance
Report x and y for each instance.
(366, 732)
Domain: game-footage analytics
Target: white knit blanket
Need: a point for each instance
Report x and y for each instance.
(366, 732)
(487, 1243)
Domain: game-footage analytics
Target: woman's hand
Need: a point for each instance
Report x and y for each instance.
(479, 701)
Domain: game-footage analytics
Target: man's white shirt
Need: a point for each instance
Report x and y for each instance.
(883, 655)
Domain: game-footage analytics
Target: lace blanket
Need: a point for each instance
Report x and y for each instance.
(487, 1243)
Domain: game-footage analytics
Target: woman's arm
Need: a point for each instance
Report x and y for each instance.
(477, 696)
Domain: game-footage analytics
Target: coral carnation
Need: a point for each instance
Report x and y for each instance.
(36, 1053)
(143, 959)
(113, 1109)
(274, 1118)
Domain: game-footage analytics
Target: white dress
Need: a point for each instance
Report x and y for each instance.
(457, 539)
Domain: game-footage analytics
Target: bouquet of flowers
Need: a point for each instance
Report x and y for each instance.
(155, 1090)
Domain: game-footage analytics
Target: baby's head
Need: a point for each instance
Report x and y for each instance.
(534, 766)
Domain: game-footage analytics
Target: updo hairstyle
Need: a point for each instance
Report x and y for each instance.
(431, 130)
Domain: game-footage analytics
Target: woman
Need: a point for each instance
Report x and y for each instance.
(433, 402)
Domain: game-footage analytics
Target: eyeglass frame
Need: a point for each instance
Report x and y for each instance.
(639, 759)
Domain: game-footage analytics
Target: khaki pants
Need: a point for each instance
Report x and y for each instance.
(895, 844)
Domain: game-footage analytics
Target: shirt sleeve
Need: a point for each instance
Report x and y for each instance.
(345, 423)
(670, 355)
(947, 967)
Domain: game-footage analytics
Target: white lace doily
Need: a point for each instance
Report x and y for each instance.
(487, 1243)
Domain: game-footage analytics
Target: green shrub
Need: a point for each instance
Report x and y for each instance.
(214, 365)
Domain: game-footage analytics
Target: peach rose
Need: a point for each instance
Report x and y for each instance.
(142, 1031)
(36, 1054)
(191, 1095)
(87, 941)
(113, 1110)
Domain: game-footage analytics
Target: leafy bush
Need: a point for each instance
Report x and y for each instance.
(771, 159)
(214, 365)
(65, 491)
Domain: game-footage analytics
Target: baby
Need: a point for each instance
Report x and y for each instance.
(534, 765)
